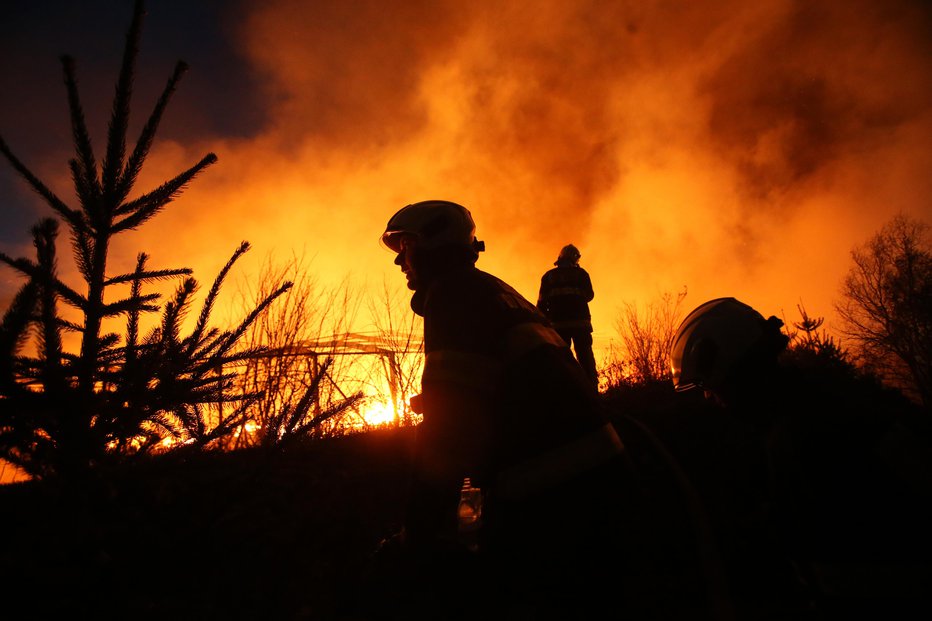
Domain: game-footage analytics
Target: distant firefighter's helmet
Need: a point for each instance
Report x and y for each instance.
(569, 254)
(435, 224)
(714, 338)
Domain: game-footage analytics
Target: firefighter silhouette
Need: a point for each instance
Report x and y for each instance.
(506, 406)
(565, 293)
(838, 464)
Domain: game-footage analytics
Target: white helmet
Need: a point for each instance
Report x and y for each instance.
(436, 224)
(715, 337)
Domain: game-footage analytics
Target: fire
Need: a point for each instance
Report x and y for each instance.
(380, 413)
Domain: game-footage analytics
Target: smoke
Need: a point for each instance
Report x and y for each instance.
(727, 147)
(823, 81)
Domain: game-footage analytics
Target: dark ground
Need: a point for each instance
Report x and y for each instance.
(253, 535)
(244, 535)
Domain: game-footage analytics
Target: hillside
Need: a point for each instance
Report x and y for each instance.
(287, 535)
(239, 535)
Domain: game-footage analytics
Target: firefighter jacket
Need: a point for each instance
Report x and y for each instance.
(565, 293)
(503, 400)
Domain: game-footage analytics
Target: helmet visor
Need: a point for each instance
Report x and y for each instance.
(397, 240)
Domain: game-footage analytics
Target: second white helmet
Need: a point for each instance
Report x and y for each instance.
(714, 338)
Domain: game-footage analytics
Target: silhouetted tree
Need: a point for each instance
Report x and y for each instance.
(62, 413)
(811, 345)
(822, 358)
(886, 306)
(647, 339)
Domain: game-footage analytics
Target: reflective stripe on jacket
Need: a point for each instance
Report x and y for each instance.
(564, 296)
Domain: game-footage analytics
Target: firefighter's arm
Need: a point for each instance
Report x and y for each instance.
(587, 287)
(542, 295)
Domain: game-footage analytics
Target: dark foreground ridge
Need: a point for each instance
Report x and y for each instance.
(245, 535)
(287, 535)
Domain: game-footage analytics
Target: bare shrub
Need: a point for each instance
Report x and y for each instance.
(398, 333)
(298, 376)
(645, 341)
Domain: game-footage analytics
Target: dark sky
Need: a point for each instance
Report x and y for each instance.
(224, 99)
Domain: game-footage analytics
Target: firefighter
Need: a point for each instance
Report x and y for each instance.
(565, 293)
(844, 478)
(505, 404)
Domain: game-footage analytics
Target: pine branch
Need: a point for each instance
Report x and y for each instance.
(168, 424)
(209, 342)
(175, 311)
(22, 265)
(217, 360)
(214, 292)
(204, 389)
(217, 346)
(150, 349)
(131, 303)
(146, 206)
(87, 193)
(28, 367)
(107, 342)
(86, 167)
(240, 356)
(54, 202)
(200, 426)
(81, 248)
(119, 120)
(229, 425)
(32, 271)
(238, 332)
(154, 337)
(187, 420)
(327, 414)
(132, 320)
(44, 235)
(134, 165)
(149, 276)
(70, 325)
(69, 295)
(14, 330)
(300, 410)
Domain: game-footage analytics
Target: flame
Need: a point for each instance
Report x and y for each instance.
(380, 413)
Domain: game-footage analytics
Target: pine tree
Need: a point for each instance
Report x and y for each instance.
(63, 413)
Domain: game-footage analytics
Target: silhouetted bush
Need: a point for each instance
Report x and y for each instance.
(62, 413)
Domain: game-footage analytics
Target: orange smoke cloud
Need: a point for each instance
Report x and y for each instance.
(727, 147)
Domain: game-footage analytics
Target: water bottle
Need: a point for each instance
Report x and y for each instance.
(469, 514)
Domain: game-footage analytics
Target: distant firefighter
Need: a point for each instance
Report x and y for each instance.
(565, 293)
